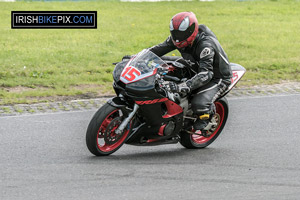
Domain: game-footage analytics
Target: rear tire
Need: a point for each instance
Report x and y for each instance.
(101, 138)
(193, 141)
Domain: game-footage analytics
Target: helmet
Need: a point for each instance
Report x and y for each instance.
(184, 29)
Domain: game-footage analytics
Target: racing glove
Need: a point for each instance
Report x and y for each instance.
(181, 88)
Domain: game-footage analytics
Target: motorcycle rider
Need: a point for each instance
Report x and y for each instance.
(200, 47)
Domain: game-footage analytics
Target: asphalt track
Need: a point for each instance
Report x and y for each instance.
(256, 157)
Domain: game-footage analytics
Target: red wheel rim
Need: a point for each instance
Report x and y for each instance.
(221, 112)
(102, 145)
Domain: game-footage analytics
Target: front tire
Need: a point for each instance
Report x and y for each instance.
(193, 141)
(101, 138)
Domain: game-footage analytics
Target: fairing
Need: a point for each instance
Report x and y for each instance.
(137, 76)
(238, 72)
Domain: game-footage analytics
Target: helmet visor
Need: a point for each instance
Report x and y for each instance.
(179, 36)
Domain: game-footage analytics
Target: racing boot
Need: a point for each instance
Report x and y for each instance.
(201, 122)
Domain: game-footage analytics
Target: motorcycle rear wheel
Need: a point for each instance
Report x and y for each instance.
(193, 141)
(101, 138)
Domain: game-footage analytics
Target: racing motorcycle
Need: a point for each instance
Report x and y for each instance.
(145, 112)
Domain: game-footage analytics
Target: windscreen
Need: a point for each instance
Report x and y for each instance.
(141, 66)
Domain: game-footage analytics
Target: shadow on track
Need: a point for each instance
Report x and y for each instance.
(181, 155)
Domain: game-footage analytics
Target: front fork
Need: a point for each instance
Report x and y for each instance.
(119, 103)
(127, 120)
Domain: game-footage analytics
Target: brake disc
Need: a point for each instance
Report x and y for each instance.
(110, 137)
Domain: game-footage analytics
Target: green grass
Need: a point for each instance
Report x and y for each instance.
(263, 36)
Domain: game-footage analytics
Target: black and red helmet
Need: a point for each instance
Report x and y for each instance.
(184, 29)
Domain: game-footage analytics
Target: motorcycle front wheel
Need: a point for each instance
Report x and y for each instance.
(101, 138)
(195, 141)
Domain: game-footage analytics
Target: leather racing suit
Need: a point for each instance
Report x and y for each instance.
(210, 62)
